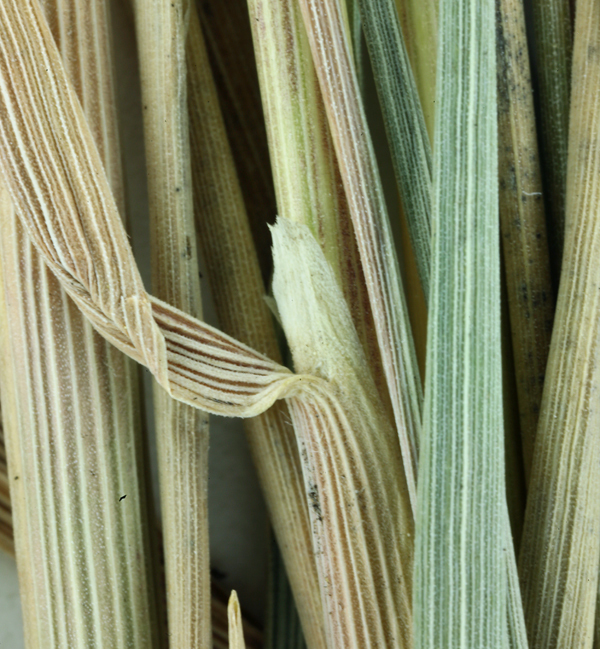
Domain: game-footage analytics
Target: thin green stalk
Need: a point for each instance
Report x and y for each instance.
(522, 221)
(181, 430)
(560, 550)
(282, 626)
(462, 525)
(404, 123)
(356, 37)
(553, 47)
(362, 184)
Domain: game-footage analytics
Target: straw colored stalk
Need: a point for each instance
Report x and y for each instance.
(220, 625)
(361, 516)
(218, 607)
(419, 19)
(358, 167)
(238, 291)
(560, 550)
(363, 500)
(181, 431)
(305, 170)
(462, 540)
(553, 46)
(7, 543)
(234, 618)
(71, 411)
(522, 219)
(226, 27)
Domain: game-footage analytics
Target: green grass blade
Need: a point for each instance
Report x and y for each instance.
(282, 626)
(460, 568)
(405, 126)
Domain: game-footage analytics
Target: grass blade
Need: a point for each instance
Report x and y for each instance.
(234, 616)
(331, 54)
(233, 272)
(522, 220)
(404, 123)
(227, 30)
(73, 417)
(559, 561)
(361, 515)
(181, 430)
(306, 173)
(553, 46)
(460, 567)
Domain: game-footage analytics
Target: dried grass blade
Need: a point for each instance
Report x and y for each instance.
(462, 524)
(361, 515)
(73, 419)
(227, 30)
(306, 173)
(362, 184)
(74, 452)
(522, 220)
(234, 616)
(560, 550)
(553, 43)
(237, 289)
(220, 625)
(43, 129)
(181, 430)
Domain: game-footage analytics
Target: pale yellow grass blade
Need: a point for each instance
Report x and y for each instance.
(181, 430)
(560, 550)
(305, 169)
(73, 418)
(234, 616)
(362, 520)
(234, 275)
(358, 167)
